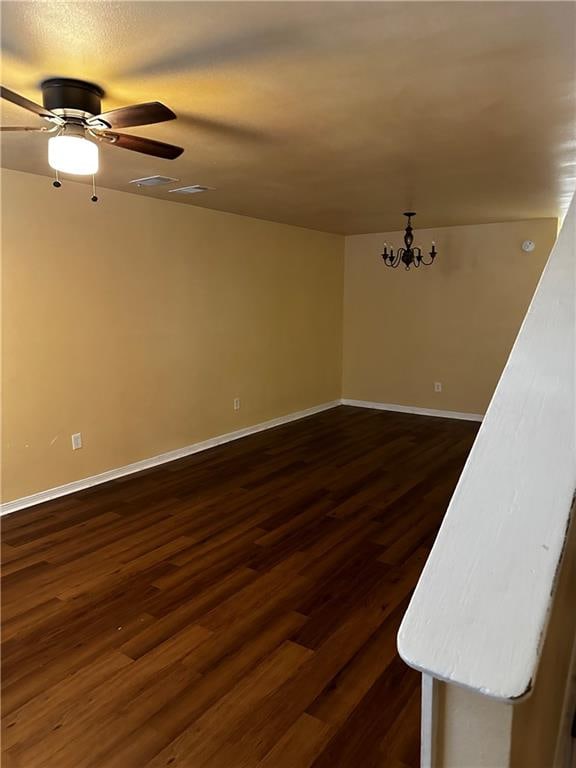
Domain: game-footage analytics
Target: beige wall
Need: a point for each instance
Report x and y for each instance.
(137, 321)
(472, 731)
(454, 322)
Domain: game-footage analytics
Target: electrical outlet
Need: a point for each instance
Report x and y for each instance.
(437, 386)
(236, 403)
(77, 441)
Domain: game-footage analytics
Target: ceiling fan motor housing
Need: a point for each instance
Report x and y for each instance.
(71, 98)
(75, 106)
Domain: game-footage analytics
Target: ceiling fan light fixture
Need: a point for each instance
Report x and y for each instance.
(73, 154)
(72, 107)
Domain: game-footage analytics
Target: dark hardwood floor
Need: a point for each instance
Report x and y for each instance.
(235, 608)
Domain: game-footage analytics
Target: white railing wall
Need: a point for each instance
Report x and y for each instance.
(480, 618)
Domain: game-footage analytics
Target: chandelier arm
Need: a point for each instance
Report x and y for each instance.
(427, 263)
(398, 259)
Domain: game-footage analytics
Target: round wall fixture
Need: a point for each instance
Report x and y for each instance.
(528, 246)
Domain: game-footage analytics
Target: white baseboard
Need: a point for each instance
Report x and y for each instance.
(163, 458)
(412, 409)
(179, 453)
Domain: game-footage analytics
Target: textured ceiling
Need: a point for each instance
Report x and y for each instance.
(335, 116)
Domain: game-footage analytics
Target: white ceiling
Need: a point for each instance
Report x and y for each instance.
(332, 115)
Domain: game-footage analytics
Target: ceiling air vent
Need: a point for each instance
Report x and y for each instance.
(153, 181)
(191, 190)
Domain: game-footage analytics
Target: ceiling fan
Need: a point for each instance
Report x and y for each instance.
(73, 110)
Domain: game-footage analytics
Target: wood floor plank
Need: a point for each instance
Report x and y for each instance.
(222, 663)
(299, 746)
(255, 734)
(237, 608)
(85, 720)
(357, 741)
(44, 712)
(201, 742)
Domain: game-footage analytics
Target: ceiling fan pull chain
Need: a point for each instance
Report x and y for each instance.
(94, 198)
(57, 183)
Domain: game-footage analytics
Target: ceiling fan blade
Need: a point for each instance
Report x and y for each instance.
(137, 114)
(31, 106)
(22, 128)
(140, 144)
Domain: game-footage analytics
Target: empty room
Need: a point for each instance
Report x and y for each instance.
(288, 431)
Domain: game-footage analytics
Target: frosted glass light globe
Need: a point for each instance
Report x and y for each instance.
(73, 154)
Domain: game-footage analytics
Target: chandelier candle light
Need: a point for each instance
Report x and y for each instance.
(408, 255)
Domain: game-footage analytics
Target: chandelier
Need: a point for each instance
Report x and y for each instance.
(408, 255)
